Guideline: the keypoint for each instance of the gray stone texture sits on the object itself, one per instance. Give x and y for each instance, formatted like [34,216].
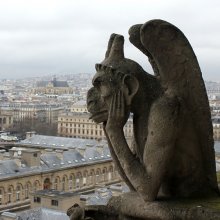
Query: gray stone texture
[172,156]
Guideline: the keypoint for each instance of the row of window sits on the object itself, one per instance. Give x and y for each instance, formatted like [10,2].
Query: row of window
[70,183]
[89,123]
[80,132]
[92,125]
[74,120]
[3,120]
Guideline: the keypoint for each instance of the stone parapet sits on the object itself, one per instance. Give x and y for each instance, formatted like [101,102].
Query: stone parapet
[131,206]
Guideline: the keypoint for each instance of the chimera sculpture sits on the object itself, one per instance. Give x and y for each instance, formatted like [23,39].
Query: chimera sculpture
[173,143]
[172,154]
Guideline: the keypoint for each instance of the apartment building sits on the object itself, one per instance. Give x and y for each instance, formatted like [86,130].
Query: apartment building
[52,163]
[6,121]
[78,124]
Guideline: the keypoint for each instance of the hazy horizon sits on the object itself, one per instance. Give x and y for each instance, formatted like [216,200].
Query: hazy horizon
[39,38]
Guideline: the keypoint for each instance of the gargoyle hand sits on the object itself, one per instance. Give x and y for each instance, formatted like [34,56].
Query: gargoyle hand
[118,113]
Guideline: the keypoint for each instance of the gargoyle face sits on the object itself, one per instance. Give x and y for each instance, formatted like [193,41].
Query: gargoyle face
[96,106]
[99,97]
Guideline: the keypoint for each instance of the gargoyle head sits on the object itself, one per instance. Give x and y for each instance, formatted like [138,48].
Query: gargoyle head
[113,74]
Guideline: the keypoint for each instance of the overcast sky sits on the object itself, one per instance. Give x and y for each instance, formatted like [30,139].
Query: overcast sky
[44,37]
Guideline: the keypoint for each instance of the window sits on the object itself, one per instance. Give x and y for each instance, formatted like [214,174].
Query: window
[26,192]
[77,183]
[63,183]
[18,193]
[9,194]
[0,197]
[56,184]
[37,199]
[54,202]
[35,154]
[70,183]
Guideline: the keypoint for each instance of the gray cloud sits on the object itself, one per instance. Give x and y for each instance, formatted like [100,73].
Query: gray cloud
[61,36]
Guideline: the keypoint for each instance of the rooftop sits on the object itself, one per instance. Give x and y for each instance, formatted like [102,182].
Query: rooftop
[54,83]
[38,214]
[81,103]
[54,193]
[44,141]
[58,153]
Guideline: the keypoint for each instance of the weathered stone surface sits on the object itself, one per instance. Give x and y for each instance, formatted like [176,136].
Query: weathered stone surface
[173,153]
[131,206]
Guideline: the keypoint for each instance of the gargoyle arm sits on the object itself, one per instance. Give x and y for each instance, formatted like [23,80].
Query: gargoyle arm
[133,169]
[146,178]
[117,162]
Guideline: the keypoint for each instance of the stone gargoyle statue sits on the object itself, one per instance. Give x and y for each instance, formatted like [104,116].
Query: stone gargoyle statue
[172,154]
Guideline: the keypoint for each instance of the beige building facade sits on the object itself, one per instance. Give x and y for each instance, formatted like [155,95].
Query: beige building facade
[25,170]
[53,87]
[78,124]
[42,112]
[216,132]
[6,121]
[54,199]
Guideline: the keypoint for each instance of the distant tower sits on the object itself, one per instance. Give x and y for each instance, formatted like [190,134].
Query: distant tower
[54,80]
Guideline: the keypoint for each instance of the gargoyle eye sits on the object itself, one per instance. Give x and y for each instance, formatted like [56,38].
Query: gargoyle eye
[97,81]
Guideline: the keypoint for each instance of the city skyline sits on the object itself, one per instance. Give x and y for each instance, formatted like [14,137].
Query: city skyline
[38,38]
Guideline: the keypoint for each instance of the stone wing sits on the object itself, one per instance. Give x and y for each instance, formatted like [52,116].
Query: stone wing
[177,68]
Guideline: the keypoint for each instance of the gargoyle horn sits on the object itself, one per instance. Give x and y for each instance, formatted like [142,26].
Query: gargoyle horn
[112,37]
[115,50]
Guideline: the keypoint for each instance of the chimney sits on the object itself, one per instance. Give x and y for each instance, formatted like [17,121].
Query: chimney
[81,150]
[6,156]
[9,216]
[100,149]
[59,154]
[29,134]
[31,157]
[18,162]
[2,152]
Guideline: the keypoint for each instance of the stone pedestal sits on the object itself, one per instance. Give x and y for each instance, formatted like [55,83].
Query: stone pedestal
[131,206]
